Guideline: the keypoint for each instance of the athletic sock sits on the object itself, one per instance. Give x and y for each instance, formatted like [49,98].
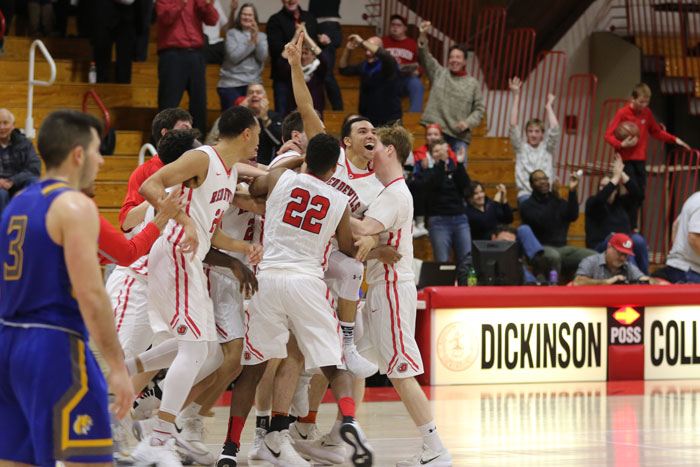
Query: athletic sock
[431,437]
[348,333]
[310,418]
[347,406]
[191,411]
[334,434]
[235,427]
[279,421]
[162,432]
[262,419]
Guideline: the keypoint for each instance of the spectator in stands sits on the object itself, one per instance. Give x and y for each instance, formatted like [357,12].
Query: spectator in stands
[40,14]
[270,122]
[536,152]
[181,65]
[115,22]
[421,157]
[281,27]
[549,217]
[7,8]
[448,226]
[379,96]
[611,266]
[330,36]
[314,66]
[405,51]
[215,36]
[244,57]
[633,149]
[485,215]
[19,164]
[455,102]
[144,14]
[683,262]
[607,212]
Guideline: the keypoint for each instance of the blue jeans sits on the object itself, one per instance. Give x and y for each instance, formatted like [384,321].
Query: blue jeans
[676,275]
[447,233]
[282,90]
[456,144]
[641,252]
[228,96]
[528,241]
[412,87]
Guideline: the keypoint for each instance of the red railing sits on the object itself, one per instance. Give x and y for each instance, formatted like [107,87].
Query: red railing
[92,94]
[488,50]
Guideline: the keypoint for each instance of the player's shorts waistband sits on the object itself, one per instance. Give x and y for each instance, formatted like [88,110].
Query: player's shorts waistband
[41,326]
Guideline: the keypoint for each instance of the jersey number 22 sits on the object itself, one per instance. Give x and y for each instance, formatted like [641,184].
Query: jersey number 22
[315,213]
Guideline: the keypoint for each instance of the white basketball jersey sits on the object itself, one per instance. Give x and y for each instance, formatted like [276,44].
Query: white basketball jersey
[282,157]
[140,266]
[394,209]
[301,216]
[207,203]
[360,186]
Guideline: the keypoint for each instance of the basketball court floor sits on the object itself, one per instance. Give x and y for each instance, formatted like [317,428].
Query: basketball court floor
[555,424]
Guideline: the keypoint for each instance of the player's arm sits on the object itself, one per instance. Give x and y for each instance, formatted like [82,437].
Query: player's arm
[264,184]
[72,221]
[312,123]
[246,278]
[135,216]
[343,234]
[246,202]
[366,226]
[248,170]
[223,242]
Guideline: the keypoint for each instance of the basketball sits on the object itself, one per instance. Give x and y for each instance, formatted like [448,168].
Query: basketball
[626,129]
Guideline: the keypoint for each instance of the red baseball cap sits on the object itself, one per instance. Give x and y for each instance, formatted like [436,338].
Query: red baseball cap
[622,243]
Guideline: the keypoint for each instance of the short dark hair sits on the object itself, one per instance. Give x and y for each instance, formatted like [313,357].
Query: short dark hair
[347,126]
[505,228]
[322,154]
[469,191]
[62,131]
[235,120]
[292,122]
[175,143]
[399,137]
[533,173]
[460,47]
[435,142]
[237,23]
[167,119]
[399,17]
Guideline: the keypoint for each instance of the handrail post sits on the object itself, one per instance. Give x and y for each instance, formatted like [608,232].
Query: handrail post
[142,153]
[29,130]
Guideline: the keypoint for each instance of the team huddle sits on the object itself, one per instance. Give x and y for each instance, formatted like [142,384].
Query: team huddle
[294,235]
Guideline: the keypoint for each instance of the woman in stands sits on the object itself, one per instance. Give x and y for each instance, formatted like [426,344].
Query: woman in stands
[244,57]
[484,213]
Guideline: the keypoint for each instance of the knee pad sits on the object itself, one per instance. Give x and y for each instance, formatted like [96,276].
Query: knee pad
[346,274]
[214,359]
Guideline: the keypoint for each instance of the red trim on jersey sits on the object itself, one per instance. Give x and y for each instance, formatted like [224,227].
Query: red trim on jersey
[126,303]
[247,342]
[189,201]
[394,180]
[221,331]
[353,175]
[206,273]
[177,282]
[119,301]
[228,171]
[188,318]
[325,254]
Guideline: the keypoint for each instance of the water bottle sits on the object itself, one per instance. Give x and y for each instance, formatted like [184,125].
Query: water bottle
[92,73]
[553,277]
[471,277]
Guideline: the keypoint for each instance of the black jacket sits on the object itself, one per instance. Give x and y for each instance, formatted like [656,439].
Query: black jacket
[603,217]
[445,189]
[483,224]
[549,216]
[19,161]
[280,30]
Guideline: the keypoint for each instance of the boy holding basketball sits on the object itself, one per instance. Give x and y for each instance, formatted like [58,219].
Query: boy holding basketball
[633,142]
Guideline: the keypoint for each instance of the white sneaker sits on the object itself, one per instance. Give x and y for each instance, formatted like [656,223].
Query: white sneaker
[229,455]
[142,429]
[300,403]
[147,403]
[161,455]
[120,435]
[322,450]
[304,431]
[352,434]
[419,230]
[258,446]
[190,441]
[428,457]
[277,449]
[358,365]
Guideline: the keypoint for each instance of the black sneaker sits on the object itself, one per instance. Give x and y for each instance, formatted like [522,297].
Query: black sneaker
[229,455]
[352,434]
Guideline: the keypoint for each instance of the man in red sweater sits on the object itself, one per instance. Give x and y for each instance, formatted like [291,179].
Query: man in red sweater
[633,149]
[181,64]
[405,51]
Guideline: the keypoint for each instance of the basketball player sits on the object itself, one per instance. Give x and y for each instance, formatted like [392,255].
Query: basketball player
[53,397]
[302,214]
[177,285]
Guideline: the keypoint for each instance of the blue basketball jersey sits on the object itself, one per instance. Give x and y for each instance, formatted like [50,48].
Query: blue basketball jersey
[34,285]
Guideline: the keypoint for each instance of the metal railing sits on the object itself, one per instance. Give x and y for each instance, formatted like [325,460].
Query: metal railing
[29,129]
[142,152]
[92,94]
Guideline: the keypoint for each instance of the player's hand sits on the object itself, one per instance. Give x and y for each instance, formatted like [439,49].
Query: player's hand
[615,279]
[168,208]
[190,242]
[573,181]
[246,278]
[364,245]
[514,84]
[290,145]
[120,385]
[388,254]
[293,50]
[630,141]
[254,253]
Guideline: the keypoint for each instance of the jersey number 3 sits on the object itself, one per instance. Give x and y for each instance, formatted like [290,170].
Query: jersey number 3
[14,271]
[311,221]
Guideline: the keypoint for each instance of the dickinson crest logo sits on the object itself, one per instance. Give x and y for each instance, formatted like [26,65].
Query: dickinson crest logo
[246,355]
[82,424]
[627,244]
[403,367]
[182,329]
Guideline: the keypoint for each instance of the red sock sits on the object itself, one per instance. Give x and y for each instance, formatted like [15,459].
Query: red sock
[347,406]
[235,427]
[310,418]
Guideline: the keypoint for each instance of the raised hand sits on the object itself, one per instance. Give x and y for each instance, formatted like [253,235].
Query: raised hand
[550,99]
[461,154]
[293,50]
[424,27]
[514,84]
[618,165]
[573,181]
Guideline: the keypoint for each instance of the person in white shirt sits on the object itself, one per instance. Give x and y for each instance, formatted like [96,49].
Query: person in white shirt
[536,152]
[683,262]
